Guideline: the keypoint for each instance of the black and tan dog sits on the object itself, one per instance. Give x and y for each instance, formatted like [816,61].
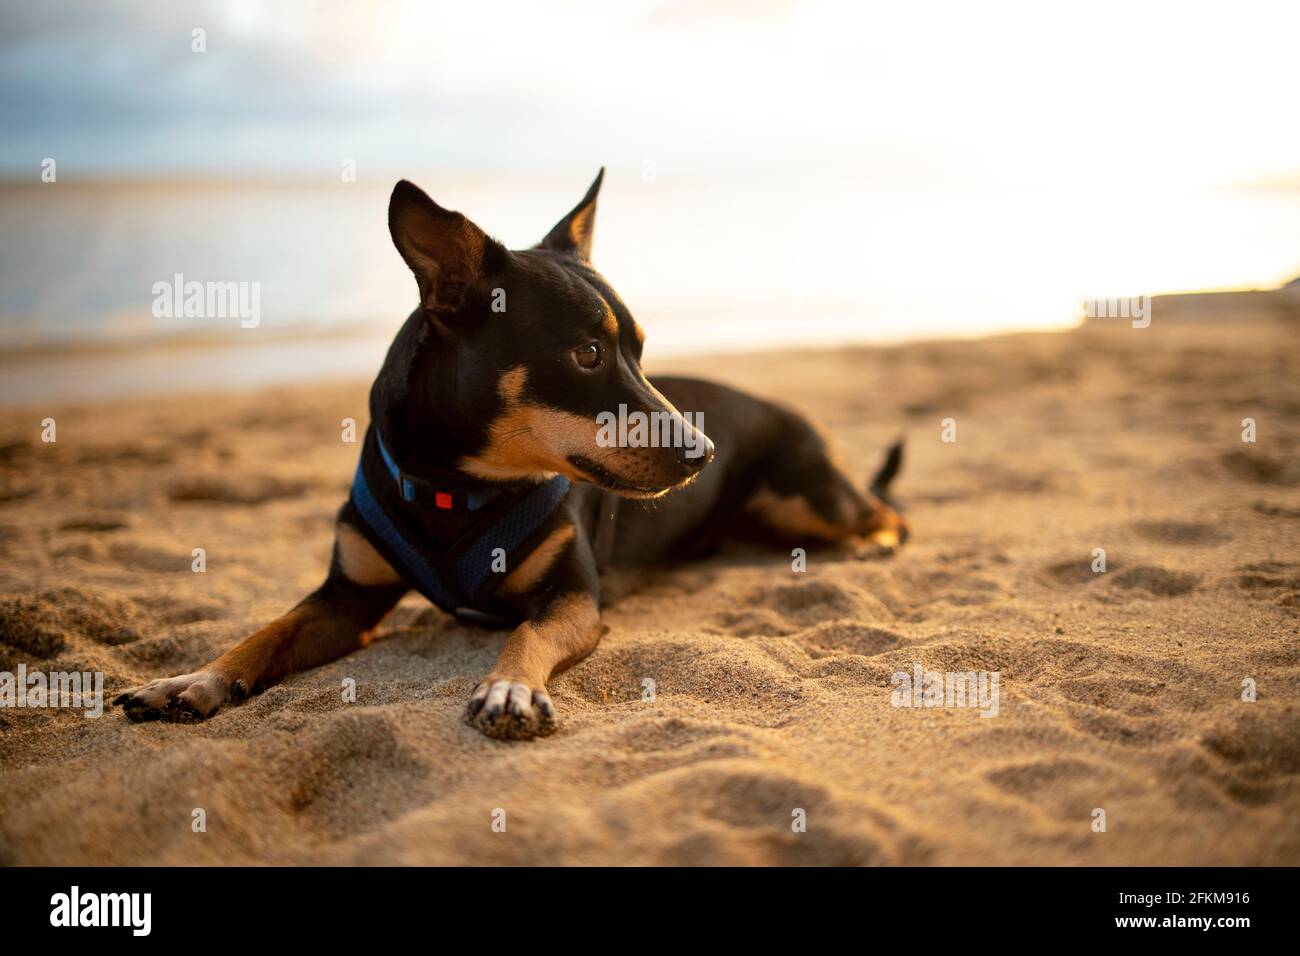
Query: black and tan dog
[485,484]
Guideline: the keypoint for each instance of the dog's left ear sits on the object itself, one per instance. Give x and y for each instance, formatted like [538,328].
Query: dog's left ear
[573,233]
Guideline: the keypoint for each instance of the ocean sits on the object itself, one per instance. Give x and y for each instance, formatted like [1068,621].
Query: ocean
[706,265]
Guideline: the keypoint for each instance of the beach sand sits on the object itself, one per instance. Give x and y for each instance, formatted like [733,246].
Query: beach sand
[1119,691]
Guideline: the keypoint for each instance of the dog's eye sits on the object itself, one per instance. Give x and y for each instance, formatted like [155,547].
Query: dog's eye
[589,356]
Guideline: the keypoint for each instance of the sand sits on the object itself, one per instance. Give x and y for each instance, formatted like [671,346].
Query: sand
[1120,691]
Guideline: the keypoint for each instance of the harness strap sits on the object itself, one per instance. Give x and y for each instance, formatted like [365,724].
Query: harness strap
[473,568]
[461,580]
[425,578]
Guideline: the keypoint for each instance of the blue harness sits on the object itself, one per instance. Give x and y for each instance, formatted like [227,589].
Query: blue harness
[461,580]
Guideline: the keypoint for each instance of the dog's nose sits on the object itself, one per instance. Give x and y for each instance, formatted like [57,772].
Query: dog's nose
[695,456]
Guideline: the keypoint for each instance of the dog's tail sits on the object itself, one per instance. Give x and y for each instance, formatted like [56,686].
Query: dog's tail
[888,472]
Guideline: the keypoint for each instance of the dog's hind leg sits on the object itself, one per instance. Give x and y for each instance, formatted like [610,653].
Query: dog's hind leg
[334,620]
[804,496]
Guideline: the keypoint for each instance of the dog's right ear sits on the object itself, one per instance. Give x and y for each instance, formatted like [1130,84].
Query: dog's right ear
[446,251]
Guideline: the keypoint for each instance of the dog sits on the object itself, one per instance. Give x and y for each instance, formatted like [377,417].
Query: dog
[484,482]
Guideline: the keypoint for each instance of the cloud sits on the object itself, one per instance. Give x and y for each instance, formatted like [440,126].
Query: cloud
[950,93]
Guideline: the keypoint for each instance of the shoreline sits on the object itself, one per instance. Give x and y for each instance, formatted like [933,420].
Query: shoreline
[211,360]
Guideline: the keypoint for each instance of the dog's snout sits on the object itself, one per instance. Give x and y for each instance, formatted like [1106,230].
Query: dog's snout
[697,454]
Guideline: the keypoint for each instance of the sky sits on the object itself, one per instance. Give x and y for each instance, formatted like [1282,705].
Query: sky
[1130,94]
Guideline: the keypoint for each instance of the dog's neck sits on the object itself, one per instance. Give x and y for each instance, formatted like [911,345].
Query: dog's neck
[411,416]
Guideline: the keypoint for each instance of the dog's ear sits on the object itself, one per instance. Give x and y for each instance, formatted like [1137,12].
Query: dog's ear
[572,234]
[446,251]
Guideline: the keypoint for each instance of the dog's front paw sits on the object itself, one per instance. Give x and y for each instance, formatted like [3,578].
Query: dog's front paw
[186,698]
[509,709]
